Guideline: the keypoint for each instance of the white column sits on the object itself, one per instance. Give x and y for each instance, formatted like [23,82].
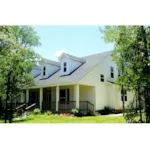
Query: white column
[22,97]
[57,98]
[41,98]
[27,95]
[77,95]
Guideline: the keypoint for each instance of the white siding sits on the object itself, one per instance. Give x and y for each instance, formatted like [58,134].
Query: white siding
[106,94]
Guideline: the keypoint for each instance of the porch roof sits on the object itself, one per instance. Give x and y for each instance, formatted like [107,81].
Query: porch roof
[90,62]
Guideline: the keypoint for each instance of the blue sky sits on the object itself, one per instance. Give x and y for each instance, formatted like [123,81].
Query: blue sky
[75,40]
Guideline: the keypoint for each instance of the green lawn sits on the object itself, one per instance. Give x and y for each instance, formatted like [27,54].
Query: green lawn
[59,119]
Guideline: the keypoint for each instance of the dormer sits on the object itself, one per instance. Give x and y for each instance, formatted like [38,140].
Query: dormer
[48,68]
[69,63]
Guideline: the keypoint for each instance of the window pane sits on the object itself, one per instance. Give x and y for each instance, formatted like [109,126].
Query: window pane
[65,69]
[65,64]
[111,68]
[102,78]
[62,93]
[112,75]
[44,68]
[44,73]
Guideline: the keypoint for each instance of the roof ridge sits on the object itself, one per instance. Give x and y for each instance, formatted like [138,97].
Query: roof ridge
[96,54]
[72,56]
[52,61]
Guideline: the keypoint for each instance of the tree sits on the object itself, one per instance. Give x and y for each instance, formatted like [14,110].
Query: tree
[131,54]
[17,59]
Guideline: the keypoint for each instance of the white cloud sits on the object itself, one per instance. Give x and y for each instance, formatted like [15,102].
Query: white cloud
[59,52]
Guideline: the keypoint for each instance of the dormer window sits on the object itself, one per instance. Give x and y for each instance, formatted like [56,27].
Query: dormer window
[112,72]
[44,71]
[65,66]
[102,77]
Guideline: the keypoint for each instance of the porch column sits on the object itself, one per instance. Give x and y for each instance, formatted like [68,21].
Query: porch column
[22,97]
[57,98]
[27,95]
[77,95]
[41,98]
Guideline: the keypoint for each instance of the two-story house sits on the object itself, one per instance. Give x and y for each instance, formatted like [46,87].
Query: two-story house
[76,82]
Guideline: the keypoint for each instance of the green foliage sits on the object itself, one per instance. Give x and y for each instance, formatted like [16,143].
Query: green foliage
[36,111]
[85,113]
[48,113]
[80,113]
[131,54]
[15,115]
[107,110]
[75,111]
[17,59]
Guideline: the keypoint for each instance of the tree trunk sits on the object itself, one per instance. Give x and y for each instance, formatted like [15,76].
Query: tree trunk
[10,113]
[140,107]
[6,107]
[146,73]
[7,98]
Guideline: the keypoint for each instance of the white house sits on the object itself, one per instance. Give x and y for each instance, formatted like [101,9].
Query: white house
[76,82]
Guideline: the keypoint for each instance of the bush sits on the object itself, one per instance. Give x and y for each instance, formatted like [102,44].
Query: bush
[48,113]
[105,111]
[75,111]
[80,113]
[85,113]
[15,115]
[36,111]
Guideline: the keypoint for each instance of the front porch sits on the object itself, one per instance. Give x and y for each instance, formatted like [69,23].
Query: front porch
[61,98]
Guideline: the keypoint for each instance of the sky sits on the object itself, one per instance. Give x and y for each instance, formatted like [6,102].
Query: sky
[75,40]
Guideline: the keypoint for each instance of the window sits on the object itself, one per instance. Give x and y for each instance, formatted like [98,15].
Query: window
[112,72]
[65,66]
[123,95]
[102,77]
[64,96]
[44,71]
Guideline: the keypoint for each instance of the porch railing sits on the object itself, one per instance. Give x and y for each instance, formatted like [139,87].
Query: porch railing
[67,106]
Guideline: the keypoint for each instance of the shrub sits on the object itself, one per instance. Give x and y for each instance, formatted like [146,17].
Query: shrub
[15,115]
[36,111]
[75,111]
[80,113]
[48,113]
[85,113]
[105,111]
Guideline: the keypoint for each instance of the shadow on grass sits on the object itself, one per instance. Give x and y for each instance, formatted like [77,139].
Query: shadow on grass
[22,120]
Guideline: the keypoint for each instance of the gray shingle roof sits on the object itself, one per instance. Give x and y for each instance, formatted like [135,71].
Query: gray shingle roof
[91,62]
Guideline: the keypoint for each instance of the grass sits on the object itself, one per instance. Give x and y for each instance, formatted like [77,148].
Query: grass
[59,119]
